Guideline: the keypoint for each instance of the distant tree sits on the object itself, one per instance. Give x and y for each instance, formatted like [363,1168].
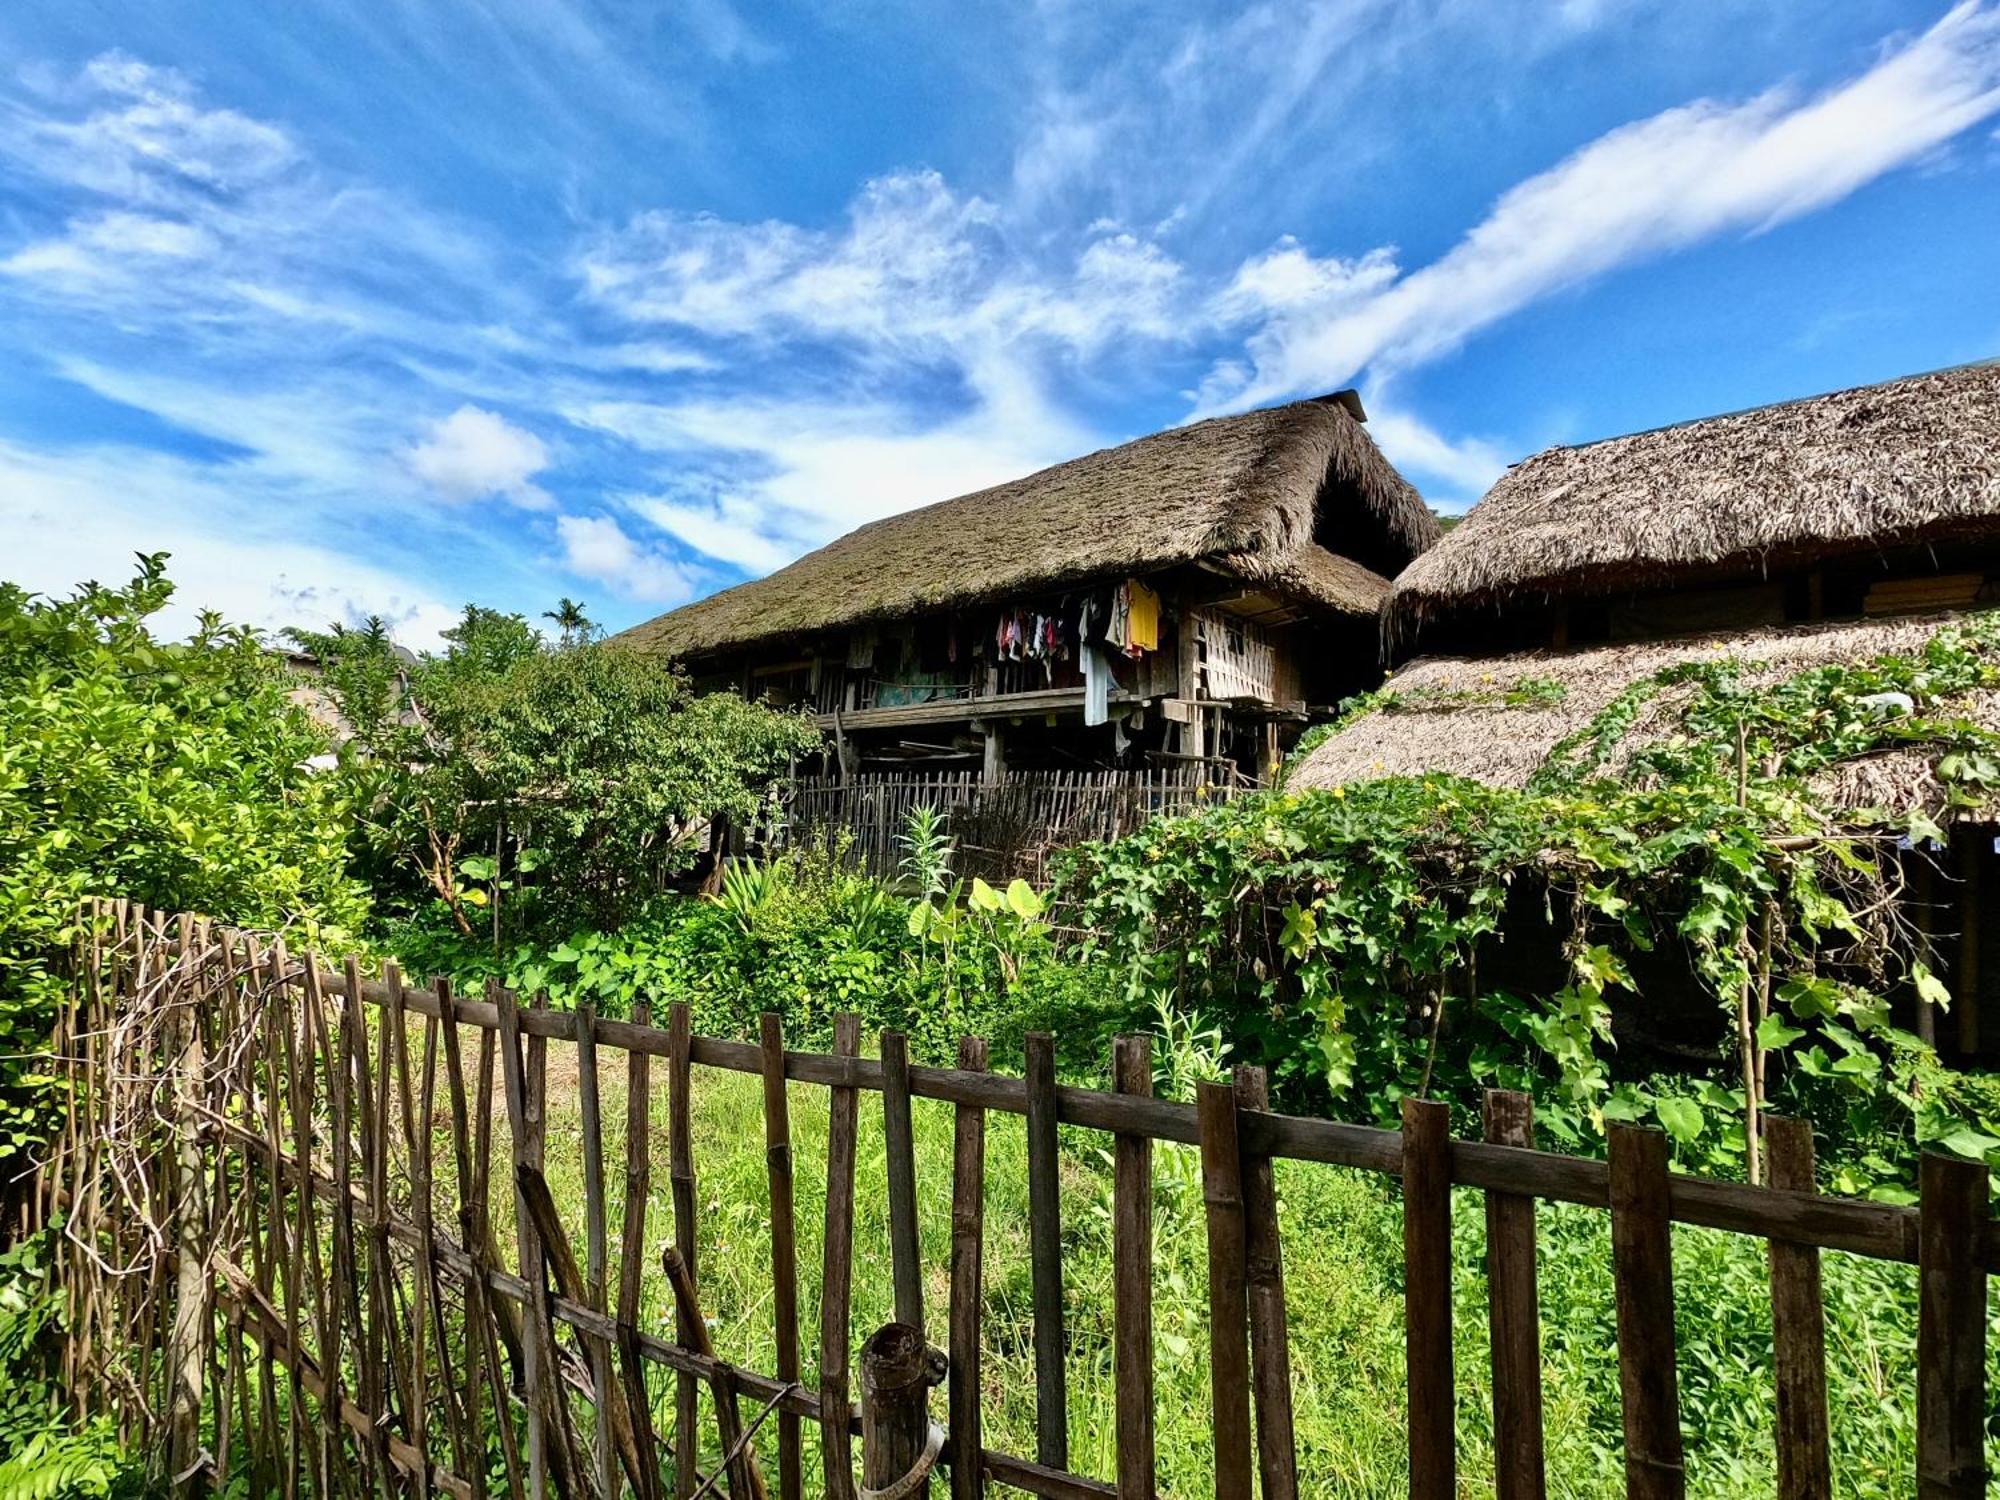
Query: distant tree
[586,769]
[576,627]
[561,782]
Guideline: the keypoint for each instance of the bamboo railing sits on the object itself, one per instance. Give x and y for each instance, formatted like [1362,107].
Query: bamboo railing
[264,1269]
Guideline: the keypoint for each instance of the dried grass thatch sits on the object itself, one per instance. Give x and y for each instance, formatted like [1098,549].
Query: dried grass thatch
[1455,715]
[1911,460]
[1244,493]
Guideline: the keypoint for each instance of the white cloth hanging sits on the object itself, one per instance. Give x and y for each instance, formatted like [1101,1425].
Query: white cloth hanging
[1096,685]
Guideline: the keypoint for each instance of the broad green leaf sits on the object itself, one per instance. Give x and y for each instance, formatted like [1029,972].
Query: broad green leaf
[1680,1118]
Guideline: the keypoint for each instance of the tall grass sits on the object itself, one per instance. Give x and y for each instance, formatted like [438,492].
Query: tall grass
[1343,1257]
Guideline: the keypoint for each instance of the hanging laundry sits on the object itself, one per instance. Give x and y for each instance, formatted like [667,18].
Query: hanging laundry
[1142,625]
[1097,685]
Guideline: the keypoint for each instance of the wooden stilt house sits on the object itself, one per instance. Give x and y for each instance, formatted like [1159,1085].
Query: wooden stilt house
[1185,600]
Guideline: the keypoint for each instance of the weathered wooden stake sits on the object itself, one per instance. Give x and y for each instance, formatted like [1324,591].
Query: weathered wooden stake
[1427,1298]
[1798,1327]
[1228,1326]
[1951,1329]
[1514,1314]
[897,1439]
[1643,1273]
[1132,1278]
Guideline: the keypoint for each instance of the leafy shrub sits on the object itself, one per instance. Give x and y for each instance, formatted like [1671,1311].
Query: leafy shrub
[564,785]
[1350,937]
[170,772]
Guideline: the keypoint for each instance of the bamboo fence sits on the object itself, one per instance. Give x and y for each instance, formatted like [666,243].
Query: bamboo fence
[267,1273]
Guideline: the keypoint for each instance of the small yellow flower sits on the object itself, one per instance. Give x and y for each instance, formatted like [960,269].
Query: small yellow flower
[1340,791]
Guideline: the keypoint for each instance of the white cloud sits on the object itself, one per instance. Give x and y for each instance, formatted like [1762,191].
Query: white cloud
[152,142]
[822,468]
[474,454]
[1467,466]
[110,244]
[598,548]
[734,530]
[916,270]
[77,516]
[1655,186]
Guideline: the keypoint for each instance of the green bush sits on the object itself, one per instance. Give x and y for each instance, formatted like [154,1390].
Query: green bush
[807,938]
[169,772]
[1348,935]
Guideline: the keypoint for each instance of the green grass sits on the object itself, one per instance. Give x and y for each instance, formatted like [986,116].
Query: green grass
[1343,1258]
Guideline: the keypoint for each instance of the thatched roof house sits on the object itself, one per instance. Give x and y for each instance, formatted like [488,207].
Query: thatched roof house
[1496,720]
[1294,499]
[1907,464]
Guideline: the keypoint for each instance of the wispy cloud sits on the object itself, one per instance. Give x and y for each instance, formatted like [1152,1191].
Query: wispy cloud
[1641,191]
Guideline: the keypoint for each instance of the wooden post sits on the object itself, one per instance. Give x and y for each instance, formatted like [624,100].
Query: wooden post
[993,765]
[1132,1278]
[1514,1314]
[194,1289]
[906,1271]
[784,1245]
[897,1373]
[1427,1298]
[1951,1329]
[1045,1254]
[680,1171]
[837,1273]
[968,1226]
[1228,1331]
[596,1248]
[632,1256]
[1270,1339]
[1798,1327]
[1642,1268]
[1970,908]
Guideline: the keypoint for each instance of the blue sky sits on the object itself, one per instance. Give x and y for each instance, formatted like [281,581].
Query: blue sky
[383,305]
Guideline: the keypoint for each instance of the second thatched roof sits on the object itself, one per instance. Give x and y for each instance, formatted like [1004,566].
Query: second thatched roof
[1907,461]
[1255,495]
[1496,720]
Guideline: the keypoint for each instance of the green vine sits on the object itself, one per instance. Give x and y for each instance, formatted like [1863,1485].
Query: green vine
[1373,938]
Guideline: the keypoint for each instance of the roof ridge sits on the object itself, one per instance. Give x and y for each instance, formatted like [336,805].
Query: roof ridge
[1990,362]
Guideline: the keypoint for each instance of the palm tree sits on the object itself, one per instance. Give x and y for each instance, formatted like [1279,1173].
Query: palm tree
[575,625]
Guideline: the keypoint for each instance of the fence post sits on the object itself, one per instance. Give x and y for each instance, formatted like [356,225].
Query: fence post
[1045,1253]
[1264,1272]
[1427,1298]
[193,1290]
[1951,1329]
[1132,1278]
[1798,1326]
[1643,1272]
[1514,1313]
[898,1444]
[1228,1328]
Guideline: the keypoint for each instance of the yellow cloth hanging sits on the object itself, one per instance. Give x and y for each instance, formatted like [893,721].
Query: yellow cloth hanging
[1142,628]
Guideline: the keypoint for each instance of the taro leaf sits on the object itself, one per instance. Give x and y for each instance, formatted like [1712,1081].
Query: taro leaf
[1682,1118]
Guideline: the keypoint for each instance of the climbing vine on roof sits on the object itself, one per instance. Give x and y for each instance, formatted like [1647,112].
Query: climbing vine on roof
[1673,922]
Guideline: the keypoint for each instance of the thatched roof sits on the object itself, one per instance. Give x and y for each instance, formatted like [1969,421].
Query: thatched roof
[1911,460]
[1243,493]
[1495,720]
